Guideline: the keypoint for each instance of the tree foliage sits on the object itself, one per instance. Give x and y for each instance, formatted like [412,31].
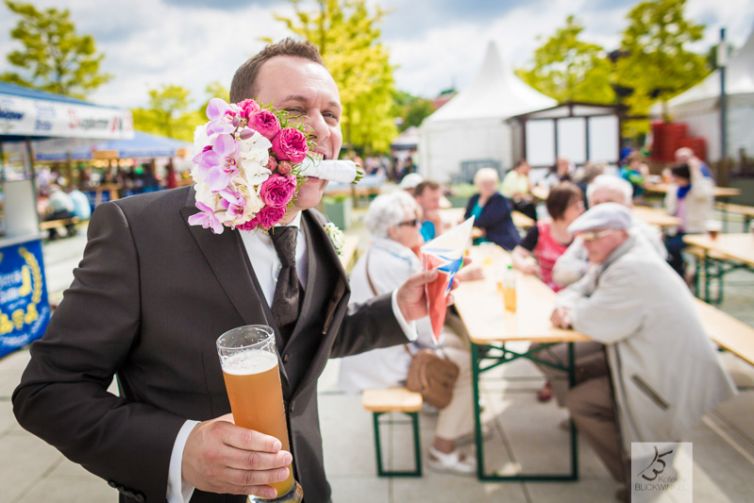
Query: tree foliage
[347,35]
[659,63]
[170,113]
[411,110]
[54,57]
[570,69]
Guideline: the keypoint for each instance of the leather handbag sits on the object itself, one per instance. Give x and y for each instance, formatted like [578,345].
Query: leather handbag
[430,374]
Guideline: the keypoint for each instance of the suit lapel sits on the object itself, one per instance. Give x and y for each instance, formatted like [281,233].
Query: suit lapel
[227,257]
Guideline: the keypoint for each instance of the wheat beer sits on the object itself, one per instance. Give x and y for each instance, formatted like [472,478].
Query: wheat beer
[252,380]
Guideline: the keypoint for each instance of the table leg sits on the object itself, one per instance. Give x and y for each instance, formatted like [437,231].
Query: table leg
[478,435]
[574,433]
[706,277]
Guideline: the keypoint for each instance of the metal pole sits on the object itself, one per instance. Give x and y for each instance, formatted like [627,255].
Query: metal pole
[722,57]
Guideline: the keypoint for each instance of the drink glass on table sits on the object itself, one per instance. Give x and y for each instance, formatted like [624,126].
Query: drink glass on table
[509,288]
[252,379]
[713,229]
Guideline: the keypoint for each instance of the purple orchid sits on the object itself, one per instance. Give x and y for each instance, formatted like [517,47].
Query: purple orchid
[221,117]
[206,218]
[219,164]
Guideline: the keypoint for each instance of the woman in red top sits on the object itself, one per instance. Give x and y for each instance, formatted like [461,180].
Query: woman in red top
[549,239]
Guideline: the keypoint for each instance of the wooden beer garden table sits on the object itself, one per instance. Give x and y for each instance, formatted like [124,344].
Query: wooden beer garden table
[728,251]
[720,192]
[655,216]
[490,327]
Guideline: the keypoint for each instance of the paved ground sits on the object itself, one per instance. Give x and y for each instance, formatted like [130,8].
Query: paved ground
[525,434]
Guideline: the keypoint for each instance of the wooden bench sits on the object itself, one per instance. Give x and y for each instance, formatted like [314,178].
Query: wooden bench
[394,400]
[727,332]
[747,212]
[61,223]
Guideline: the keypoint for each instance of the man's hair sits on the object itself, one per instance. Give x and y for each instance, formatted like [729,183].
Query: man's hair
[425,185]
[681,171]
[611,183]
[244,80]
[561,197]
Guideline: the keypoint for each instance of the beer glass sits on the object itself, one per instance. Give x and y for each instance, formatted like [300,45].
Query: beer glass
[252,380]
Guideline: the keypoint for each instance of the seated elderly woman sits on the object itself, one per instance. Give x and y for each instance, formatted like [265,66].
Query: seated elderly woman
[393,220]
[573,264]
[549,239]
[491,212]
[653,372]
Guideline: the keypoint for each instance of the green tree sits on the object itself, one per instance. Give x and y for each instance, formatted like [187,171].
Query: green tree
[570,69]
[658,64]
[170,113]
[411,110]
[348,38]
[54,57]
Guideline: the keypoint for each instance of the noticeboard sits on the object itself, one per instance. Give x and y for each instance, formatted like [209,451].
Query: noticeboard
[24,309]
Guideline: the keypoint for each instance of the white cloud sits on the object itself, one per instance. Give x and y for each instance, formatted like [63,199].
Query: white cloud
[148,43]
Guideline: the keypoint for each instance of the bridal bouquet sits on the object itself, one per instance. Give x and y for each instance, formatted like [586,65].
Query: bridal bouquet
[249,163]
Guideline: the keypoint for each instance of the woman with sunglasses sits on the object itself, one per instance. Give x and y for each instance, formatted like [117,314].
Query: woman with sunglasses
[394,220]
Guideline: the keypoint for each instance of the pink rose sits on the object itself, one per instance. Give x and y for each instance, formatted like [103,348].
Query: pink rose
[272,164]
[284,167]
[277,190]
[290,145]
[248,108]
[265,123]
[266,218]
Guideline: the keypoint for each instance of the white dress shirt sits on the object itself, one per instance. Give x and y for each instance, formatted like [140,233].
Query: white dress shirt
[266,264]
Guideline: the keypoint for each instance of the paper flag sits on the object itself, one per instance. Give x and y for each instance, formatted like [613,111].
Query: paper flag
[444,253]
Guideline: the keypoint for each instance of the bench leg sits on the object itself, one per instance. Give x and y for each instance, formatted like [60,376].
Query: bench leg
[381,472]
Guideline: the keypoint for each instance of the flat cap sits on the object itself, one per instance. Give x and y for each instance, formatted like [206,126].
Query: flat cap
[603,216]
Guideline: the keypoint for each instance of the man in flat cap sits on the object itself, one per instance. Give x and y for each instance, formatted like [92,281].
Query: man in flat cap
[659,373]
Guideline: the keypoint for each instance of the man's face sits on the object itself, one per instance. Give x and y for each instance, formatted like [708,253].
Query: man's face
[429,200]
[601,243]
[307,91]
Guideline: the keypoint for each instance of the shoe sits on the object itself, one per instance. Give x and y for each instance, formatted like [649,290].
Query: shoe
[453,462]
[469,437]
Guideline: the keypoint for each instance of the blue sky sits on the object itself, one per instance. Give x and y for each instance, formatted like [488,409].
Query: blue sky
[434,44]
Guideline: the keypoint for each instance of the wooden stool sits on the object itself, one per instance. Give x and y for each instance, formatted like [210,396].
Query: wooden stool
[384,401]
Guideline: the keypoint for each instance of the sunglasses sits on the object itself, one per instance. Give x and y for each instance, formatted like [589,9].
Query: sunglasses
[591,236]
[409,223]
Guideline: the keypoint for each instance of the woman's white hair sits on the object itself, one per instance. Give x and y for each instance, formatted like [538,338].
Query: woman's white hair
[388,210]
[618,186]
[484,174]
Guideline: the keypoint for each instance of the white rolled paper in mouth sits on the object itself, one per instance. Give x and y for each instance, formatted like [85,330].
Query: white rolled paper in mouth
[342,171]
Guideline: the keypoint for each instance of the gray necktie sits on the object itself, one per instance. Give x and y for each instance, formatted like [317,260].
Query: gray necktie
[285,302]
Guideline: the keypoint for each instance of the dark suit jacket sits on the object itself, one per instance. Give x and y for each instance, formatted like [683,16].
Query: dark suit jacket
[496,220]
[148,301]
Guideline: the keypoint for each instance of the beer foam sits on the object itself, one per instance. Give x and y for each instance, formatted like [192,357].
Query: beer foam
[252,361]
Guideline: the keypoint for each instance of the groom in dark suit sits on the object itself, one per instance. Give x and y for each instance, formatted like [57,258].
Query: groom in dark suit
[151,296]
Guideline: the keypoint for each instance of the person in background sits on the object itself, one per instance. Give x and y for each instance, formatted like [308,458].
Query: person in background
[171,176]
[491,212]
[691,198]
[590,172]
[517,188]
[549,239]
[635,172]
[428,195]
[59,206]
[684,155]
[573,264]
[409,183]
[393,222]
[81,207]
[653,372]
[559,172]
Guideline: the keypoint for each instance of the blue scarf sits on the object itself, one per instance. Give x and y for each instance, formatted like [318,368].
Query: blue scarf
[682,191]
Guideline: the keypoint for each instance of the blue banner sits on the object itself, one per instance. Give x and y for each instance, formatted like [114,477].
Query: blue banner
[24,310]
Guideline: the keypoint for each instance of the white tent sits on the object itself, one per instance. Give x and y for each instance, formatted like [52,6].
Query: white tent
[699,107]
[471,126]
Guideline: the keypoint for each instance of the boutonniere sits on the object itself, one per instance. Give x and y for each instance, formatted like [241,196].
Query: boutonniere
[337,238]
